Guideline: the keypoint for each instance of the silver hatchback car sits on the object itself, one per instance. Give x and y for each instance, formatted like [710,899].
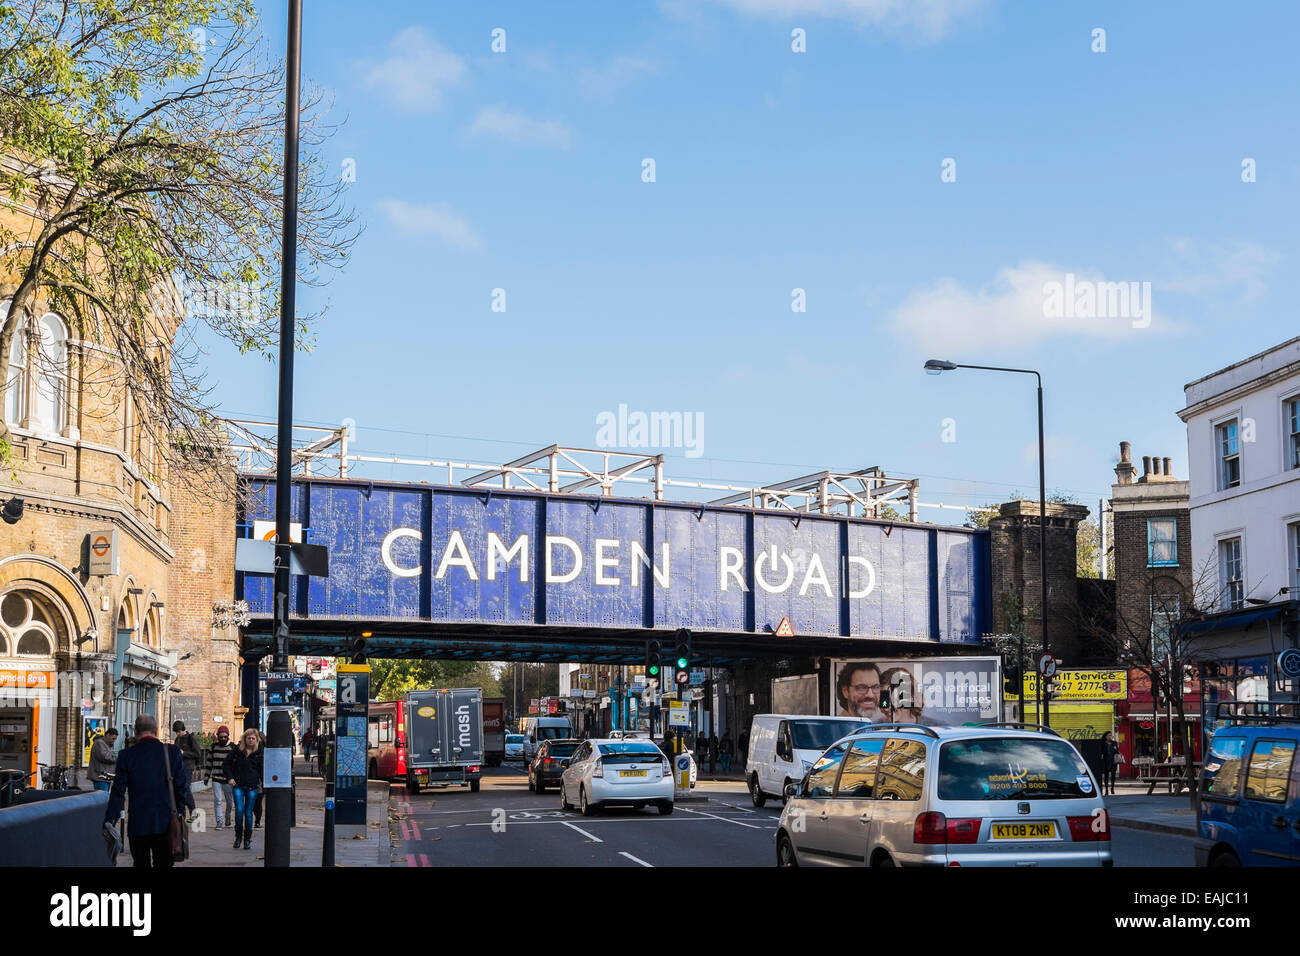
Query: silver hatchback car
[912,795]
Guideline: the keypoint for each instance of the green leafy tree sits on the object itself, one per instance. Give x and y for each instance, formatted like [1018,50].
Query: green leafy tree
[390,679]
[147,138]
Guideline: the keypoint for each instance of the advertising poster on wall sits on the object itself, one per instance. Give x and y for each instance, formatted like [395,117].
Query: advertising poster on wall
[938,691]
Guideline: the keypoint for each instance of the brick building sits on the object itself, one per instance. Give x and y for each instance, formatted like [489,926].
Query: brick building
[105,585]
[1015,566]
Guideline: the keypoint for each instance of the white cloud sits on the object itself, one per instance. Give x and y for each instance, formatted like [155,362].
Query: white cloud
[518,128]
[621,70]
[429,219]
[930,19]
[1012,311]
[416,71]
[1241,267]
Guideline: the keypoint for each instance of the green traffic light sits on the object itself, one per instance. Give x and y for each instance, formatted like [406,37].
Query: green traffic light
[654,670]
[681,663]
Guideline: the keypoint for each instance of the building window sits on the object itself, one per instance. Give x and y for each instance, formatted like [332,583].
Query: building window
[1231,580]
[48,363]
[1229,455]
[25,626]
[1165,611]
[1291,416]
[1162,542]
[1293,549]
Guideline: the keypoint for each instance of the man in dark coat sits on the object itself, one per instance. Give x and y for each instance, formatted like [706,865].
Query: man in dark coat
[142,780]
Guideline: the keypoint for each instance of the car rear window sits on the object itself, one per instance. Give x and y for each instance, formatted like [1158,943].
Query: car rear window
[1012,768]
[562,750]
[552,733]
[629,753]
[514,738]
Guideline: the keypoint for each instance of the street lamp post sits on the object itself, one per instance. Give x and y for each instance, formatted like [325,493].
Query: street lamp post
[938,366]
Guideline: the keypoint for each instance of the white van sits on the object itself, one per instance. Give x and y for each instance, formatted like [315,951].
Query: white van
[537,729]
[782,747]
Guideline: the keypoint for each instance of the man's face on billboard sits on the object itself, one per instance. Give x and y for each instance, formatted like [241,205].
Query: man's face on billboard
[863,693]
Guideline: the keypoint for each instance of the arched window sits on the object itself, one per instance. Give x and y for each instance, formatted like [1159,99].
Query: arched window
[51,374]
[26,626]
[48,362]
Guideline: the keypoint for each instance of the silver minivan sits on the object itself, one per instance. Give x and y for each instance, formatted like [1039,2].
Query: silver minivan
[912,795]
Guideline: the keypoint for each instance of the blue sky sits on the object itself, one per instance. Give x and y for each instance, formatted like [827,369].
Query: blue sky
[778,170]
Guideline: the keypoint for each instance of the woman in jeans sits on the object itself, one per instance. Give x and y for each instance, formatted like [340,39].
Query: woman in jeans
[243,770]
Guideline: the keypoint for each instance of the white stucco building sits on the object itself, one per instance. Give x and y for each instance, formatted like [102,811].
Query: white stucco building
[1243,450]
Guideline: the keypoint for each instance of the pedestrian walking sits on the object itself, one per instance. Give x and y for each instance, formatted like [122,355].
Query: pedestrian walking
[103,761]
[713,751]
[1109,763]
[243,771]
[189,748]
[223,794]
[307,740]
[744,749]
[257,803]
[141,782]
[725,748]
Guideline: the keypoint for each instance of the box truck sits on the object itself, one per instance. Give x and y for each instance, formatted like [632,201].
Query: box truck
[494,730]
[444,738]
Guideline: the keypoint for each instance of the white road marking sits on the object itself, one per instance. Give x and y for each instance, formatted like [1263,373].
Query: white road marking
[591,837]
[634,859]
[714,816]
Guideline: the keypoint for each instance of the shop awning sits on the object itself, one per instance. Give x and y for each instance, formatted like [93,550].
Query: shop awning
[1233,620]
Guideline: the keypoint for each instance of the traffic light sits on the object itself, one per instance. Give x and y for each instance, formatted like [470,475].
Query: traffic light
[682,655]
[653,663]
[358,651]
[1011,678]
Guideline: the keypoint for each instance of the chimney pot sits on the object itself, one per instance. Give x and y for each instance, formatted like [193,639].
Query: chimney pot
[1155,465]
[1168,473]
[1125,450]
[1146,465]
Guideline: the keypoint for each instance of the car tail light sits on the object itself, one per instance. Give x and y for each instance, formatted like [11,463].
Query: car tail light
[600,770]
[930,828]
[548,761]
[965,830]
[936,829]
[473,769]
[1090,829]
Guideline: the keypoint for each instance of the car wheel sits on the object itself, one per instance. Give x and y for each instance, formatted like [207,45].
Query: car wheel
[587,809]
[564,798]
[1225,858]
[883,860]
[756,792]
[539,787]
[530,784]
[666,808]
[474,785]
[412,786]
[785,852]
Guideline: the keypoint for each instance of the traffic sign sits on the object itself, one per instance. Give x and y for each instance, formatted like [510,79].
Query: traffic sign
[679,715]
[785,629]
[1047,665]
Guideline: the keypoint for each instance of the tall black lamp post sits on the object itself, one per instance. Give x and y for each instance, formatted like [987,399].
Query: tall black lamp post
[939,366]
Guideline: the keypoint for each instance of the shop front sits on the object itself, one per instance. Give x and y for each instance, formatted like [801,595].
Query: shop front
[141,676]
[1151,730]
[1083,707]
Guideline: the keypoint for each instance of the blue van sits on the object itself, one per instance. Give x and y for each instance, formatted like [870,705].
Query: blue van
[1250,787]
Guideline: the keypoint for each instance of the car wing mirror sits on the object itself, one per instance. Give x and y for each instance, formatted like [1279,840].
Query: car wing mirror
[791,790]
[564,763]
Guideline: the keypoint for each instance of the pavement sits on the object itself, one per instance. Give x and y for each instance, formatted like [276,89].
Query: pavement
[1160,812]
[353,845]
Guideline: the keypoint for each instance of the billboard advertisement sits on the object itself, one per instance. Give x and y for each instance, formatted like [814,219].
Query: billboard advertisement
[939,691]
[459,556]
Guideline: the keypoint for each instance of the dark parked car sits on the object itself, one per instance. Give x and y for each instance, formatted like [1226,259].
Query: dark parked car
[545,769]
